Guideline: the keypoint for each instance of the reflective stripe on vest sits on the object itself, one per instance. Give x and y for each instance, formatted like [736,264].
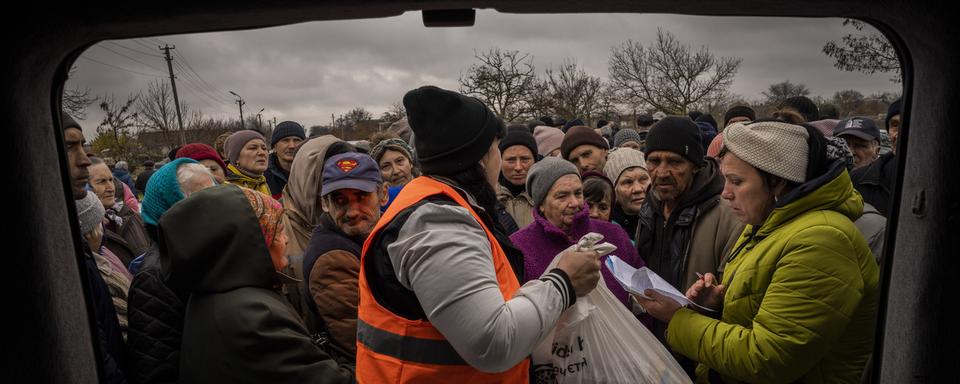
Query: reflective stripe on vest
[407,348]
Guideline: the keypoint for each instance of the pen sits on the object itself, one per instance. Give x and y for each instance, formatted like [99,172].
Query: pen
[699,275]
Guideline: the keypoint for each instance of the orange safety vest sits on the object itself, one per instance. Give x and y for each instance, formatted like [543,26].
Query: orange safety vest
[394,349]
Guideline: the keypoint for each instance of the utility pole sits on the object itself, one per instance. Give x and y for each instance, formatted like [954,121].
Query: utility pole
[240,104]
[260,120]
[173,84]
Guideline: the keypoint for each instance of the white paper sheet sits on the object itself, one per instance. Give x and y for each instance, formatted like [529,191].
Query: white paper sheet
[636,281]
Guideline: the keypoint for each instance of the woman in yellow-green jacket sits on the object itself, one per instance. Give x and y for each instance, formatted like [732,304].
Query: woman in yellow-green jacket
[798,297]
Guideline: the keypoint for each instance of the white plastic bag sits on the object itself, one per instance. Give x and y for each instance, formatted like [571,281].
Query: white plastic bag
[598,340]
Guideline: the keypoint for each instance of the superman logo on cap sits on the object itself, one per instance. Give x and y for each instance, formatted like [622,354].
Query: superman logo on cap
[347,165]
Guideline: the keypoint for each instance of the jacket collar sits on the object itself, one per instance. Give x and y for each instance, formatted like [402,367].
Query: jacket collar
[274,167]
[504,193]
[831,191]
[236,174]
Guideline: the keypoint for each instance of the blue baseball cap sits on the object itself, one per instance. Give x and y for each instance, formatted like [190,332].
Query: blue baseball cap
[861,127]
[352,170]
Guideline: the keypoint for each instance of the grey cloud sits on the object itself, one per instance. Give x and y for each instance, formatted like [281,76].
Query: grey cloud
[306,72]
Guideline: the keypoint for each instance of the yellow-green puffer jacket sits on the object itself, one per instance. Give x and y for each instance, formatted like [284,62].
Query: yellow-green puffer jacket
[801,295]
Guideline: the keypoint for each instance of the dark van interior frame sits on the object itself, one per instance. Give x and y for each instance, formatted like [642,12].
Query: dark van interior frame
[49,334]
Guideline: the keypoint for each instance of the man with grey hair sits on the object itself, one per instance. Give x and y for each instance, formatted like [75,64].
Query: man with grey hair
[121,171]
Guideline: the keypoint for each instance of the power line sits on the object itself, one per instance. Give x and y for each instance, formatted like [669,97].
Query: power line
[211,87]
[130,58]
[200,85]
[135,50]
[189,87]
[120,68]
[142,44]
[199,91]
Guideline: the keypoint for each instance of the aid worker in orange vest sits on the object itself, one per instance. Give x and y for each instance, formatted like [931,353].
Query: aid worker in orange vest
[440,299]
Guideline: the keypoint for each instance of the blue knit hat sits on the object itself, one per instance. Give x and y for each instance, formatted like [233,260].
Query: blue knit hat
[287,129]
[163,191]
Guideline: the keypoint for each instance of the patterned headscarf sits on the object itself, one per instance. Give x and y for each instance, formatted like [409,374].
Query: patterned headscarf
[837,149]
[269,212]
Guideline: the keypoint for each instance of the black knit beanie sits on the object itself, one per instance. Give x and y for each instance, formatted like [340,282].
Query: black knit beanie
[707,118]
[676,134]
[519,137]
[804,106]
[453,131]
[738,111]
[287,129]
[892,110]
[571,124]
[68,122]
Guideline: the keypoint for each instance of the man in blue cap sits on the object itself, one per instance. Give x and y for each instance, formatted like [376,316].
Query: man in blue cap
[351,195]
[875,181]
[862,137]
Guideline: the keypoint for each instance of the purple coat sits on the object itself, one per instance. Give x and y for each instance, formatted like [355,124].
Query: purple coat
[541,241]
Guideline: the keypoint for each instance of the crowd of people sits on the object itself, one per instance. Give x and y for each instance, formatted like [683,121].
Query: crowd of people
[427,253]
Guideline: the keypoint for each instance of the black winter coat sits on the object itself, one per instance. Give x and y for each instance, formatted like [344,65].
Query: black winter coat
[237,327]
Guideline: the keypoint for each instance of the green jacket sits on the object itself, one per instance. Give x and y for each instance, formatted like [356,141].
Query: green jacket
[237,328]
[801,296]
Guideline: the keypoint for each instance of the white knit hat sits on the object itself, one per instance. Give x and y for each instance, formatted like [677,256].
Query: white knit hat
[90,212]
[622,159]
[775,147]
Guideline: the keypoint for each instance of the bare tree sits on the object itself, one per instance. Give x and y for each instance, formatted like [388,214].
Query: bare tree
[870,53]
[573,93]
[118,120]
[76,100]
[396,112]
[668,75]
[847,101]
[609,104]
[156,111]
[777,93]
[503,80]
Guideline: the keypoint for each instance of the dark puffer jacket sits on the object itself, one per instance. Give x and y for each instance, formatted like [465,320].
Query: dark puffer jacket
[155,316]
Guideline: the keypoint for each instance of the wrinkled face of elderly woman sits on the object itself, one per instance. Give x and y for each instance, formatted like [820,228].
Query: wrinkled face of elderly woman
[750,198]
[253,157]
[563,201]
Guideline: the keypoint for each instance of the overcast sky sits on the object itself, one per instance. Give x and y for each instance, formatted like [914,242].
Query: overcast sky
[306,72]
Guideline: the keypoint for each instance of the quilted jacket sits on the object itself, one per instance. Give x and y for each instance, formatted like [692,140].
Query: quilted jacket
[801,296]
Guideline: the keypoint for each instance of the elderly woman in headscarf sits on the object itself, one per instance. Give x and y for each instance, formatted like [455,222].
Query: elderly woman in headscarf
[224,250]
[247,152]
[207,156]
[155,312]
[798,295]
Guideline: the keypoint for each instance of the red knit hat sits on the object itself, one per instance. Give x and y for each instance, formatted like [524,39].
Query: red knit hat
[200,151]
